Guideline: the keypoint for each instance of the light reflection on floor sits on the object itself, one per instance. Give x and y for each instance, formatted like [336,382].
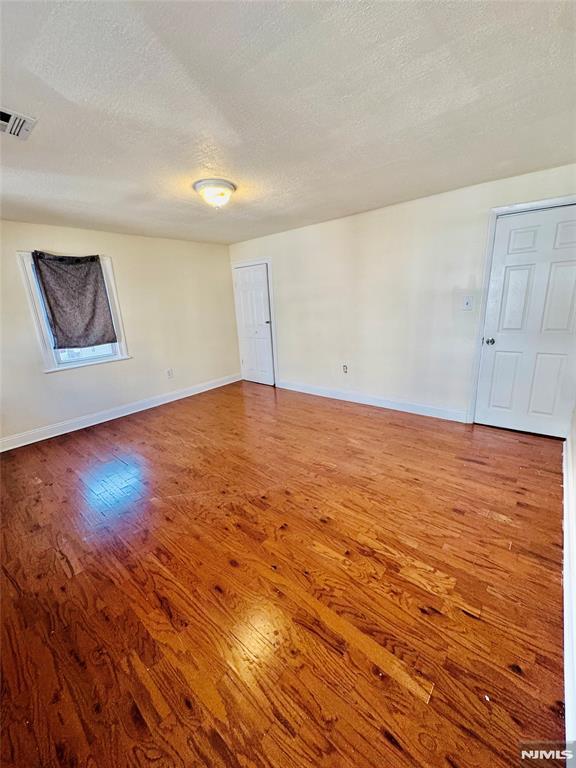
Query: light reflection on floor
[111,488]
[259,634]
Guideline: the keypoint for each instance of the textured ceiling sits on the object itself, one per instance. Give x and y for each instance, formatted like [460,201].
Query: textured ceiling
[315,109]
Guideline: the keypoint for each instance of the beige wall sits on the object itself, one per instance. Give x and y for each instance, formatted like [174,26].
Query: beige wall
[177,306]
[381,292]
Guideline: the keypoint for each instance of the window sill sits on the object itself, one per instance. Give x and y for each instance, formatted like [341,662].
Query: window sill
[84,363]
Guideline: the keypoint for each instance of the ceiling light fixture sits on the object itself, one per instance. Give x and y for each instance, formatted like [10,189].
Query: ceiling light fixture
[215,192]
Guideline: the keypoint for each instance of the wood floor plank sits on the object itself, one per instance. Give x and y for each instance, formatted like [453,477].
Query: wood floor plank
[254,577]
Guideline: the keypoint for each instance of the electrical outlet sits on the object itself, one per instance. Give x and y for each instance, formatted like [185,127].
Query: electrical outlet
[345,368]
[170,373]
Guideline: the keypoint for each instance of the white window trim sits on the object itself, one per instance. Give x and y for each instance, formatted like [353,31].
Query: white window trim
[50,361]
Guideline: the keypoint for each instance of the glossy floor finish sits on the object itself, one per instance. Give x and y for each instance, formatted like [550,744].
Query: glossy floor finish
[255,577]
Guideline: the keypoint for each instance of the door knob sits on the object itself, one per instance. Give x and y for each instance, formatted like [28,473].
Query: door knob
[490,341]
[267,322]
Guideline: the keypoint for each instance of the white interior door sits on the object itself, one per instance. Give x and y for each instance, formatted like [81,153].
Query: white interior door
[253,321]
[528,367]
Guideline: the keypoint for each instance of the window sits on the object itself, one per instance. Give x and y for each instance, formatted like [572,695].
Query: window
[60,359]
[86,353]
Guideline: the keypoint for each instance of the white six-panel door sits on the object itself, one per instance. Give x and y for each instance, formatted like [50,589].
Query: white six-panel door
[528,367]
[253,322]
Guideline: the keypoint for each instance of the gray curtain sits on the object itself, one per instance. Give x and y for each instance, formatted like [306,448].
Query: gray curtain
[74,294]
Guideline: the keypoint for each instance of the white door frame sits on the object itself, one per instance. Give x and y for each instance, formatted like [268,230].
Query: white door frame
[268,263]
[495,213]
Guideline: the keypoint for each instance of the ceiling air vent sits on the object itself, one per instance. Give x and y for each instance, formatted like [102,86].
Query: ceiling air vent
[15,124]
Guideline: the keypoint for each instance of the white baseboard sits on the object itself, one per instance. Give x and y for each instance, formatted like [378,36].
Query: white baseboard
[43,433]
[570,586]
[379,402]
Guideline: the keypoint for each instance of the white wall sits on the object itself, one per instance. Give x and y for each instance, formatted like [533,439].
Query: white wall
[570,584]
[381,292]
[177,305]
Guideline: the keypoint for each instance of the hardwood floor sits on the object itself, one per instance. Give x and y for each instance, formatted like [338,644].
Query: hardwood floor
[255,577]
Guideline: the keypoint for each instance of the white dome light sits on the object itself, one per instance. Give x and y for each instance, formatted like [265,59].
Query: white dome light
[215,192]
